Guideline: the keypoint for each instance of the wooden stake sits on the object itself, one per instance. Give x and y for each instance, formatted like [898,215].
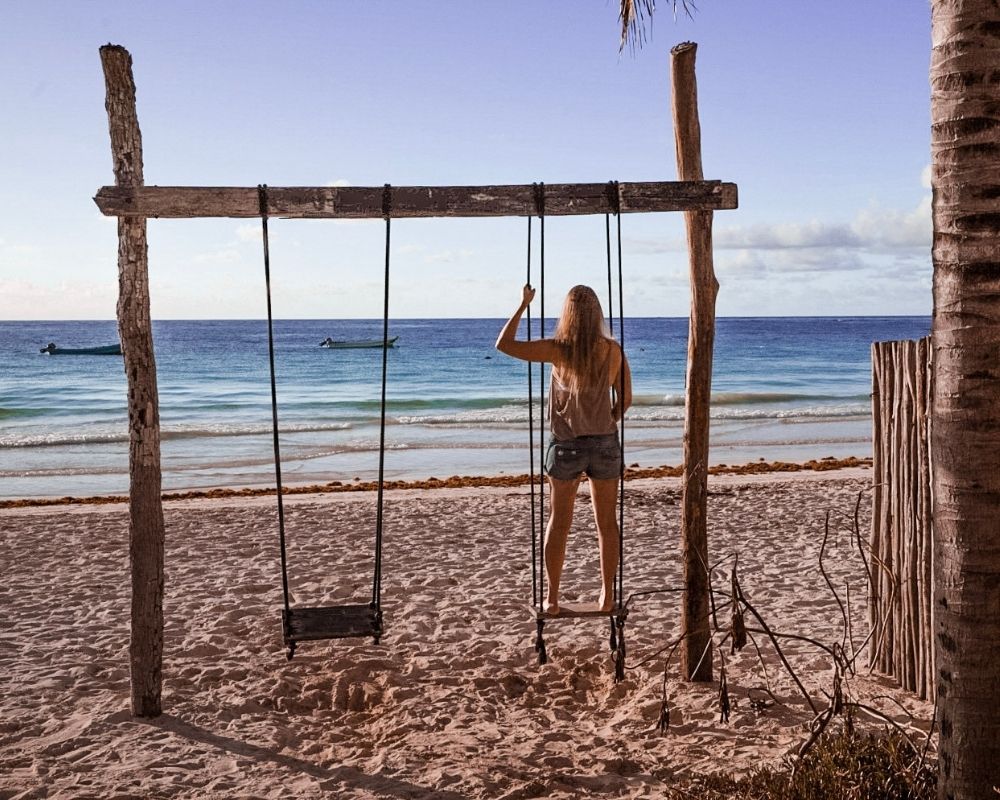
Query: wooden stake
[696,650]
[874,538]
[135,330]
[925,588]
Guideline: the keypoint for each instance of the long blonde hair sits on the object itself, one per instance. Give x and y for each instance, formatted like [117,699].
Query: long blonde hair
[578,334]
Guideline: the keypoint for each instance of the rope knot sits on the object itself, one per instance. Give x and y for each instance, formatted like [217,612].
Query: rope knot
[614,197]
[664,719]
[539,192]
[262,199]
[387,201]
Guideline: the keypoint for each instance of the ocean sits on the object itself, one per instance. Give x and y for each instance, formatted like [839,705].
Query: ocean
[783,389]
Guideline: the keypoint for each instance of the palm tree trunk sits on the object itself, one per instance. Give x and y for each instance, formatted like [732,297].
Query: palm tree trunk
[965,143]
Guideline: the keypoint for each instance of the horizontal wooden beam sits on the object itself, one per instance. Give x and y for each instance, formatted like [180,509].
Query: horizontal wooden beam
[366,202]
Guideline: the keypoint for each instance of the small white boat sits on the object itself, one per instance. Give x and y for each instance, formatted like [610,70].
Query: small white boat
[356,344]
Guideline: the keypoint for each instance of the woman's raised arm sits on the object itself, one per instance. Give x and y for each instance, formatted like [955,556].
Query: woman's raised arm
[537,350]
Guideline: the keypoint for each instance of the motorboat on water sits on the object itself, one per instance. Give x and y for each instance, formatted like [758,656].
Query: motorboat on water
[355,344]
[105,350]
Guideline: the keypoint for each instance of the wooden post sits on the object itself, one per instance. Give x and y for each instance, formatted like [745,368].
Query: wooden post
[927,519]
[880,587]
[696,650]
[135,330]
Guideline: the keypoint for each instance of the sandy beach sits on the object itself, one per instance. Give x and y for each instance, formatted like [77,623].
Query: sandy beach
[452,702]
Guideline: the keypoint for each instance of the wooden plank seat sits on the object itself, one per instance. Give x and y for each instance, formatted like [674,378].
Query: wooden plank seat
[616,640]
[331,622]
[573,611]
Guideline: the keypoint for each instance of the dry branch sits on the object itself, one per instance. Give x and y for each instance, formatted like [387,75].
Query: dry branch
[838,703]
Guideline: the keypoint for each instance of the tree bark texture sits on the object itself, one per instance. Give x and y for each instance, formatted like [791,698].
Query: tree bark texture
[134,326]
[696,649]
[901,540]
[965,147]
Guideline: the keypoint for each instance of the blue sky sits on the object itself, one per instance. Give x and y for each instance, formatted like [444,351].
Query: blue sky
[819,111]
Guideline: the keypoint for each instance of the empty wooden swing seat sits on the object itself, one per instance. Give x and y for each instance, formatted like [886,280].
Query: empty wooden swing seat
[330,622]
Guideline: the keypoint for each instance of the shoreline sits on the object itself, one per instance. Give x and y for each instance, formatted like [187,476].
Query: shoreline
[827,464]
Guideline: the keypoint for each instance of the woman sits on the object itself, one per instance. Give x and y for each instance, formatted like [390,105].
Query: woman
[590,390]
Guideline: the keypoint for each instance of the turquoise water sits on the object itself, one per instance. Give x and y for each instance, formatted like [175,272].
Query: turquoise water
[784,388]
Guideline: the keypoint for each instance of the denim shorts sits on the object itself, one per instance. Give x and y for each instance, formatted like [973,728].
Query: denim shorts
[599,457]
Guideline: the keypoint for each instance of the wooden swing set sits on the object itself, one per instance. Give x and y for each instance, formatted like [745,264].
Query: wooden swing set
[133,203]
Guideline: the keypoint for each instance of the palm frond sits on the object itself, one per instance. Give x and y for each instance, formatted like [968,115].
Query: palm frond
[635,15]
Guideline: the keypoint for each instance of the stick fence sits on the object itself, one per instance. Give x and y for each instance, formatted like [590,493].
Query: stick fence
[900,590]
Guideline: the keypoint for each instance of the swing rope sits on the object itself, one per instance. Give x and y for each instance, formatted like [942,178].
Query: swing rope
[616,205]
[377,581]
[614,200]
[531,444]
[540,208]
[262,201]
[607,239]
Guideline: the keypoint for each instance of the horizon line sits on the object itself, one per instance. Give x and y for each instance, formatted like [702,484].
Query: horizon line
[414,319]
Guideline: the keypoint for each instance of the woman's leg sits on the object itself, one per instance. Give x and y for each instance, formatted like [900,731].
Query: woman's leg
[604,496]
[563,496]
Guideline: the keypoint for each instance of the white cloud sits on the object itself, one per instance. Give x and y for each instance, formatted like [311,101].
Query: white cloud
[874,229]
[20,258]
[755,264]
[925,177]
[20,249]
[225,256]
[249,233]
[216,297]
[756,251]
[22,299]
[788,235]
[741,264]
[888,229]
[448,256]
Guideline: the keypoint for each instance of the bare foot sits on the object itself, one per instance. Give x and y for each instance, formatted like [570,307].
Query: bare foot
[550,608]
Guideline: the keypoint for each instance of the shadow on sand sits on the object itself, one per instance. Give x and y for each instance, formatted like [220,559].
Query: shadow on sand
[336,778]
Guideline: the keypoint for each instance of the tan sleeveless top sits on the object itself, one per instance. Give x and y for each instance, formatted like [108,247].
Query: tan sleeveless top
[583,413]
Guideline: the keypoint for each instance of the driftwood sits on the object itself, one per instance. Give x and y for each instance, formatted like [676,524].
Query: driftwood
[366,202]
[900,596]
[134,326]
[696,655]
[843,654]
